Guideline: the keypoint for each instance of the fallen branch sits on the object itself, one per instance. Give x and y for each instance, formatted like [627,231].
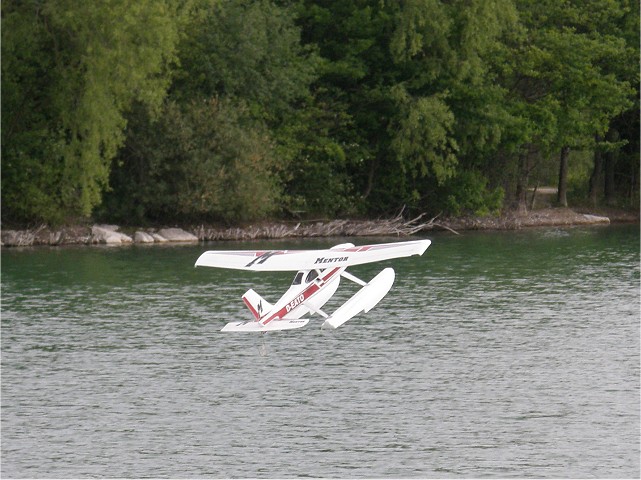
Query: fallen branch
[396,226]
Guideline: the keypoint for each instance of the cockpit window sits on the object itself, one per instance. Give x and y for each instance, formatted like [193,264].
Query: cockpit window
[298,278]
[311,276]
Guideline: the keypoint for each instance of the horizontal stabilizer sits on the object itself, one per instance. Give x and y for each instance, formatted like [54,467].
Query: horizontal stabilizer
[274,325]
[363,300]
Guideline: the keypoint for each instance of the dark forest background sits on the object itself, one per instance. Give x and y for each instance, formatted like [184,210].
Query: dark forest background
[229,111]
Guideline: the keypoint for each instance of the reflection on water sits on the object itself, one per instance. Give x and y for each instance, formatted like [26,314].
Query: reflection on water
[495,354]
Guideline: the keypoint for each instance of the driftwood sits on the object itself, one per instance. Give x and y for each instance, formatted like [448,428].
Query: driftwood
[396,226]
[43,235]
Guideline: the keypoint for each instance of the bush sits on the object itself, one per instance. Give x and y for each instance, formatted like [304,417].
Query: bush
[202,162]
[468,192]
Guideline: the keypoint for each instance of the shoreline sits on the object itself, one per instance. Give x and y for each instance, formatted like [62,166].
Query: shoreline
[115,235]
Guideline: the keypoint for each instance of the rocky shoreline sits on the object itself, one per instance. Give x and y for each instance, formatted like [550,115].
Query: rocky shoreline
[93,235]
[115,235]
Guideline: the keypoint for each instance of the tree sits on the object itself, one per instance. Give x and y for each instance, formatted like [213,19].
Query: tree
[353,86]
[445,54]
[248,49]
[232,125]
[199,161]
[70,72]
[405,75]
[565,65]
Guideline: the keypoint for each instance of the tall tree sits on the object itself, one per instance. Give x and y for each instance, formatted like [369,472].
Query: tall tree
[406,74]
[70,71]
[565,67]
[354,84]
[234,117]
[448,89]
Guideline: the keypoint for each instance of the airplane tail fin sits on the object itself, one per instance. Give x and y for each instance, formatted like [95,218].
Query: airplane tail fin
[256,304]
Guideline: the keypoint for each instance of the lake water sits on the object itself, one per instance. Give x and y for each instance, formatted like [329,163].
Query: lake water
[512,354]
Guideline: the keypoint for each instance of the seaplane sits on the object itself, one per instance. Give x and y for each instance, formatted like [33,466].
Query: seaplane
[318,274]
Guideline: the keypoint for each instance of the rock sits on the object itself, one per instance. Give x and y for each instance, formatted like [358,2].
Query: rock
[111,228]
[108,235]
[125,238]
[177,235]
[75,235]
[159,238]
[51,238]
[143,237]
[17,238]
[596,218]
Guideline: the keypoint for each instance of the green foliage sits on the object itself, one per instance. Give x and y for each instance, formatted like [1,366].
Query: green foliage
[249,52]
[70,71]
[581,162]
[468,193]
[423,137]
[246,49]
[235,110]
[317,181]
[451,115]
[204,160]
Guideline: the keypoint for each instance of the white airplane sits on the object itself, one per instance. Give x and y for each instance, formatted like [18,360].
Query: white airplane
[317,279]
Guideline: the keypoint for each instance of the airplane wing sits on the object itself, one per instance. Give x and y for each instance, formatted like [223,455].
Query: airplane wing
[294,260]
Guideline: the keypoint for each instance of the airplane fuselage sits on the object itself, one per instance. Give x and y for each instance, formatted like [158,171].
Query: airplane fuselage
[310,290]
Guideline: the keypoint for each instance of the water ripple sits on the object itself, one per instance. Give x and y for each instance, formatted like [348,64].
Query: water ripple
[494,355]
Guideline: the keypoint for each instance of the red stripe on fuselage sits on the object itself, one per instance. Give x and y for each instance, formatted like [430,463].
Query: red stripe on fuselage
[308,292]
[331,273]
